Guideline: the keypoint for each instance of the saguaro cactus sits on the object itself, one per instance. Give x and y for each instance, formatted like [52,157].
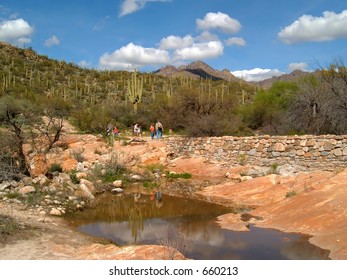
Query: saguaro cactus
[135,87]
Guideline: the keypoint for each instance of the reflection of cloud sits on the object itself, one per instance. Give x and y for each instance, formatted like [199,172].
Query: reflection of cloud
[303,250]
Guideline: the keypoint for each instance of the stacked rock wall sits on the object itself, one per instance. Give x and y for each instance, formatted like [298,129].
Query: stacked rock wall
[325,152]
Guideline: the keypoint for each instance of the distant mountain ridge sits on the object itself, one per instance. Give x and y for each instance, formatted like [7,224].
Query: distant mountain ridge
[200,69]
[197,70]
[291,77]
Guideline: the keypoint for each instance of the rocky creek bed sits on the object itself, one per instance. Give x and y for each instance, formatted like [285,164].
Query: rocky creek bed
[312,203]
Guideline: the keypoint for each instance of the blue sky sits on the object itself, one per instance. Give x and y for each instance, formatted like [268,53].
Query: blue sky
[252,38]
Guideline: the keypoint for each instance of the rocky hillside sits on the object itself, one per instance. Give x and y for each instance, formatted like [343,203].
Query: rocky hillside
[197,70]
[291,77]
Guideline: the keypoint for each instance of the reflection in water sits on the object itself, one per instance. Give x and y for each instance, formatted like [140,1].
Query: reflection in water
[187,225]
[135,221]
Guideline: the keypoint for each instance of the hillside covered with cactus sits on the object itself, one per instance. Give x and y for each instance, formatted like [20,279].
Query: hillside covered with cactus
[204,105]
[96,97]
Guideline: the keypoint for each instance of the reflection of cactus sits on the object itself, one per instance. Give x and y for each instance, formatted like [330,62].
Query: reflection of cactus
[136,221]
[135,87]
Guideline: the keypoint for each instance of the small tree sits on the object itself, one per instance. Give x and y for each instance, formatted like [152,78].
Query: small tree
[15,114]
[26,124]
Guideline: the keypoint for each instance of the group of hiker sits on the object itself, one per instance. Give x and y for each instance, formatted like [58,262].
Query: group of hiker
[156,130]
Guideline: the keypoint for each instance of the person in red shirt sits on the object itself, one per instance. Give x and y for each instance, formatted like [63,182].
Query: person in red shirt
[152,131]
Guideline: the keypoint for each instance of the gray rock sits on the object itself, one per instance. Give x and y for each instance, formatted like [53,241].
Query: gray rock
[117,190]
[136,177]
[286,170]
[5,185]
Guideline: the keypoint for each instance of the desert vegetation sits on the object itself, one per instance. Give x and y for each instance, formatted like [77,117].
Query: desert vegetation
[37,94]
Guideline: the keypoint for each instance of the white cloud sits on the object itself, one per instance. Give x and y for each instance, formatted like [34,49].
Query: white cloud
[206,36]
[16,31]
[52,41]
[219,21]
[200,51]
[175,42]
[256,74]
[101,23]
[133,56]
[132,6]
[297,66]
[315,29]
[236,41]
[84,64]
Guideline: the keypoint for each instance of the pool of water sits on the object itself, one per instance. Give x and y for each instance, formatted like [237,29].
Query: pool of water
[188,225]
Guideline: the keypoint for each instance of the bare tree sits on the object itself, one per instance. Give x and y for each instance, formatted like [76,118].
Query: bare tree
[9,168]
[320,107]
[27,124]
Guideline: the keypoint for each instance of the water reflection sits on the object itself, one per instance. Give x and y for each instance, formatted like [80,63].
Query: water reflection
[188,225]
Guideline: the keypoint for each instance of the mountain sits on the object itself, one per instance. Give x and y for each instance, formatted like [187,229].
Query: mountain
[291,77]
[197,70]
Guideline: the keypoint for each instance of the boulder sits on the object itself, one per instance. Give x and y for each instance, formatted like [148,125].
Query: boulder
[89,185]
[80,175]
[38,165]
[26,190]
[69,164]
[55,212]
[5,185]
[117,190]
[84,192]
[246,178]
[136,177]
[117,183]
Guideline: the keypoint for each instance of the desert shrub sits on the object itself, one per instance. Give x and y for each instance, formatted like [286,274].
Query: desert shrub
[291,193]
[8,227]
[55,167]
[113,170]
[273,168]
[73,176]
[156,167]
[179,175]
[267,110]
[78,155]
[147,184]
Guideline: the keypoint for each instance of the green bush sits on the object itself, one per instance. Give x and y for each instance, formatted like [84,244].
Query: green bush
[55,167]
[291,193]
[178,175]
[73,176]
[8,227]
[147,184]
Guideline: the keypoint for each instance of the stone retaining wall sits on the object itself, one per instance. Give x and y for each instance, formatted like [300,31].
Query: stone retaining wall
[326,152]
